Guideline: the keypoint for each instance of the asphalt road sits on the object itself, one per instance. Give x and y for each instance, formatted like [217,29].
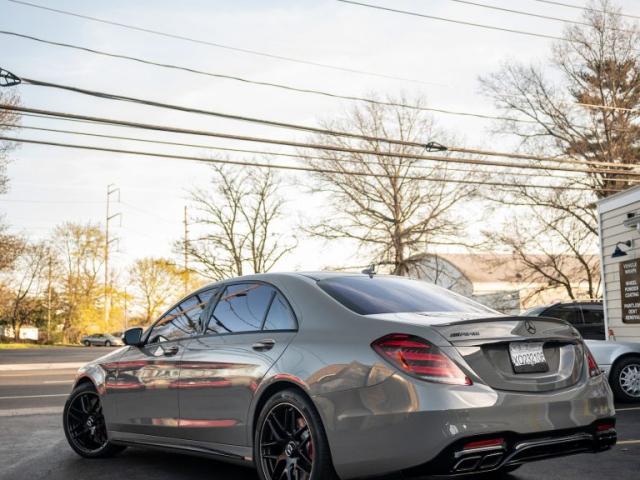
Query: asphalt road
[32,443]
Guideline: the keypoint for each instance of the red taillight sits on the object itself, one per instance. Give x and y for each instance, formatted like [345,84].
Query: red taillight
[601,428]
[420,359]
[484,443]
[594,369]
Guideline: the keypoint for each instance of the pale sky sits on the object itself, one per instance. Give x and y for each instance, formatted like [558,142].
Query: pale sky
[50,185]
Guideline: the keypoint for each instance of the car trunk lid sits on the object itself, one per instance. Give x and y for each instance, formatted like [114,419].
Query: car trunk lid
[485,345]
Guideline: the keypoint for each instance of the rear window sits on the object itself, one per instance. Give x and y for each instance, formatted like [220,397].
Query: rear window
[368,296]
[533,312]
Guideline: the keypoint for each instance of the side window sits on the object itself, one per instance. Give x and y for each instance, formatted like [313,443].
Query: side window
[241,308]
[279,317]
[593,314]
[183,320]
[566,313]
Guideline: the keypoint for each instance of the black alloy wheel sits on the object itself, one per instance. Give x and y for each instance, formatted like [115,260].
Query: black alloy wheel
[85,426]
[107,343]
[87,343]
[290,441]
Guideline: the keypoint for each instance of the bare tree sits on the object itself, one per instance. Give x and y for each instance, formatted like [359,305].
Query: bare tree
[236,220]
[80,251]
[10,247]
[156,282]
[9,121]
[394,218]
[590,113]
[553,249]
[25,284]
[9,244]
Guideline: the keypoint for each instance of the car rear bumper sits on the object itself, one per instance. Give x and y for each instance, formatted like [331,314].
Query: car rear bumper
[401,424]
[517,449]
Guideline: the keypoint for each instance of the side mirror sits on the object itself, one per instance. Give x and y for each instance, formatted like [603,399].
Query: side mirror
[133,336]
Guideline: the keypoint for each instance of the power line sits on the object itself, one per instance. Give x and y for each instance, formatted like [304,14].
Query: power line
[289,143]
[588,9]
[322,93]
[536,15]
[460,22]
[308,91]
[301,90]
[294,168]
[268,84]
[449,20]
[227,116]
[226,47]
[316,130]
[315,92]
[279,154]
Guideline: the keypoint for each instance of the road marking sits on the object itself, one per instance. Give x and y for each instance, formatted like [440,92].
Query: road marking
[35,396]
[19,412]
[628,442]
[627,409]
[19,367]
[58,381]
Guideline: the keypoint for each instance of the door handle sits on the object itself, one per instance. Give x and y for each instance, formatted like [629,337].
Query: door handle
[264,345]
[170,352]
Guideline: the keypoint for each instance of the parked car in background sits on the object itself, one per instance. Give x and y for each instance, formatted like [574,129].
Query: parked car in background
[619,361]
[102,340]
[305,376]
[586,316]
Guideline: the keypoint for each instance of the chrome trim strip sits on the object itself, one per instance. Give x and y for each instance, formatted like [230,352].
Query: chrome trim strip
[522,446]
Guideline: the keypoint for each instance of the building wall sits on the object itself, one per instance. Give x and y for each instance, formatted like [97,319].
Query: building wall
[612,213]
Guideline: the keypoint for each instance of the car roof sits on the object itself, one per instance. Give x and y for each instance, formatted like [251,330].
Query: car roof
[316,276]
[570,303]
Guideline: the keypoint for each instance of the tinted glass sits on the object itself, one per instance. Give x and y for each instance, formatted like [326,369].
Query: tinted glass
[183,320]
[533,312]
[241,308]
[368,296]
[279,317]
[593,314]
[567,314]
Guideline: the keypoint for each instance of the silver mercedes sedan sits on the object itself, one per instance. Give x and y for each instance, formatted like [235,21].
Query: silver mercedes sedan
[313,376]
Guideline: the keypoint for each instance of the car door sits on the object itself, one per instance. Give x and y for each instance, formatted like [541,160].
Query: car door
[100,340]
[248,329]
[593,315]
[146,387]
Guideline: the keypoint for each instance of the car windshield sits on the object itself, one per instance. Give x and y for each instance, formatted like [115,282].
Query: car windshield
[376,295]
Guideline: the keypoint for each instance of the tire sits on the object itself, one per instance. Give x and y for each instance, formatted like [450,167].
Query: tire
[625,379]
[87,343]
[300,445]
[84,424]
[107,343]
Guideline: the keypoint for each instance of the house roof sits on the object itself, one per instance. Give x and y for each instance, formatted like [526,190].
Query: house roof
[504,267]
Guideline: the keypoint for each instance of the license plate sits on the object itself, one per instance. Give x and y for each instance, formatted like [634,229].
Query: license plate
[528,357]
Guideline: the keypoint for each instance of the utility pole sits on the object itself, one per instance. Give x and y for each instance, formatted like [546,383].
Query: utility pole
[49,297]
[126,308]
[111,190]
[186,250]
